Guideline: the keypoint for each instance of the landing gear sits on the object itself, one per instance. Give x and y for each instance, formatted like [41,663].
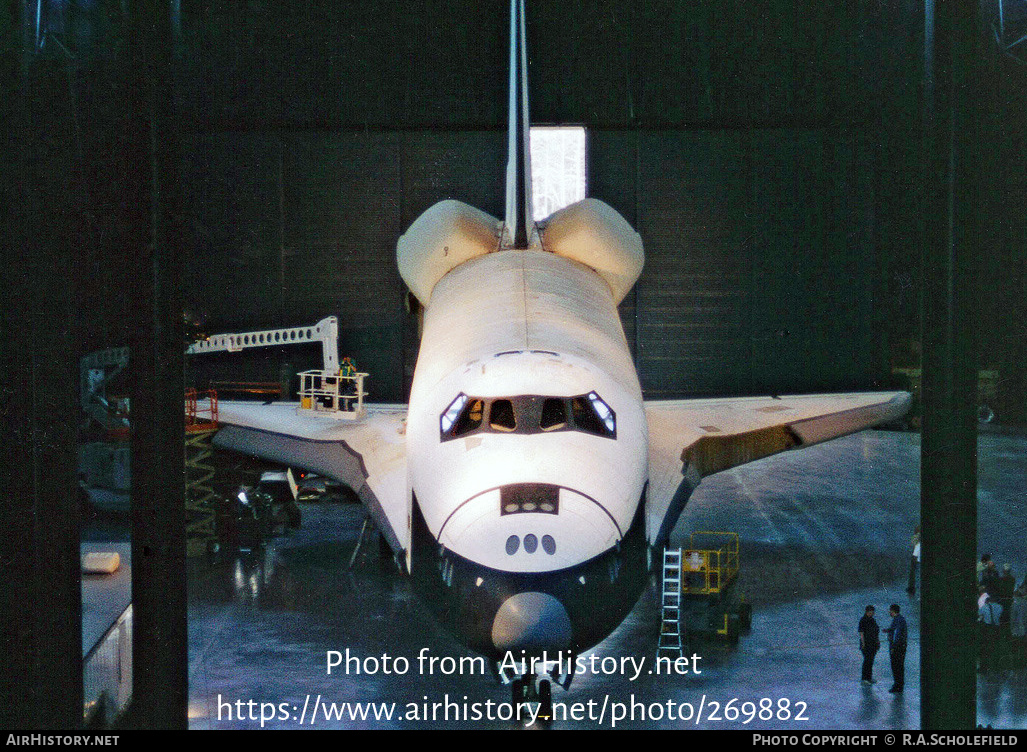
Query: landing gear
[531,693]
[534,699]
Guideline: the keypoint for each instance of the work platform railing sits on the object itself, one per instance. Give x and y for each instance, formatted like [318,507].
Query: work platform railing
[334,394]
[710,562]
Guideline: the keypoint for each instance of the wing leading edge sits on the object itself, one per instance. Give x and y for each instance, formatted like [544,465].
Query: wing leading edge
[369,455]
[688,440]
[691,439]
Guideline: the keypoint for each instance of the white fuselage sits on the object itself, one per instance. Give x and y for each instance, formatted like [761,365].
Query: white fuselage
[525,325]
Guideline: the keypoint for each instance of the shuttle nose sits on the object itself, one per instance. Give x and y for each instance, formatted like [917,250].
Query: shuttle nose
[531,621]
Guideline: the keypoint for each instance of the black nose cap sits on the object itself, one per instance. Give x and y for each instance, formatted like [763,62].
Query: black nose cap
[531,621]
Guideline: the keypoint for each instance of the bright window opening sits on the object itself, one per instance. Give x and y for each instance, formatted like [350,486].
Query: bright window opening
[592,415]
[603,411]
[557,168]
[452,412]
[462,416]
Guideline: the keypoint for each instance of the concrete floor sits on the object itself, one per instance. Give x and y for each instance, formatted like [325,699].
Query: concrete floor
[824,532]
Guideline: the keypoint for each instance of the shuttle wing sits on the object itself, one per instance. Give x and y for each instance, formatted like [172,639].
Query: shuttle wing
[368,455]
[690,439]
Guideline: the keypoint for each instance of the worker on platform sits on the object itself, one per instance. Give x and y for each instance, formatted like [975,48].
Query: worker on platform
[348,371]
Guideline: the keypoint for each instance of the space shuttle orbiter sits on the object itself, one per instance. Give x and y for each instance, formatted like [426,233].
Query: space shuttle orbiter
[527,480]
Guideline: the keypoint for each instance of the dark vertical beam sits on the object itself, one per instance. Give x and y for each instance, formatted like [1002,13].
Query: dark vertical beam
[282,276]
[949,439]
[29,19]
[160,691]
[41,681]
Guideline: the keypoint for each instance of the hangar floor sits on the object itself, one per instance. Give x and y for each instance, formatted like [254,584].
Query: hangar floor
[824,532]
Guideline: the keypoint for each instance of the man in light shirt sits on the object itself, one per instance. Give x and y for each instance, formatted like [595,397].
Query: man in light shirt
[914,561]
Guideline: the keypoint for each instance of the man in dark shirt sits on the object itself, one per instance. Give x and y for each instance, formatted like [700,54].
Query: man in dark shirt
[990,616]
[897,633]
[869,643]
[989,578]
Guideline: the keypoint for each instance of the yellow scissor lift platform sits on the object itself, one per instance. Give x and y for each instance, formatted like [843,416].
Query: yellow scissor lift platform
[703,584]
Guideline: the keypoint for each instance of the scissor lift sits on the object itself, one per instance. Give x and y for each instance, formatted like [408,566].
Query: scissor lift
[700,590]
[201,423]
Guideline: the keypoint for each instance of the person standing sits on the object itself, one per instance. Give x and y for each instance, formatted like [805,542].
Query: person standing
[989,615]
[990,578]
[914,561]
[869,643]
[897,636]
[982,565]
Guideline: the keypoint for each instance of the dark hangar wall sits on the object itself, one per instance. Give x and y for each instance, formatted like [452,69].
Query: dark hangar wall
[285,229]
[761,272]
[770,153]
[742,140]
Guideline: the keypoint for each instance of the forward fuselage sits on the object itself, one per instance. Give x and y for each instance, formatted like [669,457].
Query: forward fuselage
[528,455]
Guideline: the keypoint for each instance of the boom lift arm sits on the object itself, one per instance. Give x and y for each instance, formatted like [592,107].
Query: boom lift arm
[325,331]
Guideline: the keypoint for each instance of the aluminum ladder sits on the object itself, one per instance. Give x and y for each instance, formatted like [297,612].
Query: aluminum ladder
[670,628]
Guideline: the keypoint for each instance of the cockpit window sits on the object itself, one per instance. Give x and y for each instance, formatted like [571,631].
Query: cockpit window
[604,412]
[554,414]
[452,413]
[501,416]
[584,417]
[462,416]
[529,413]
[470,417]
[592,415]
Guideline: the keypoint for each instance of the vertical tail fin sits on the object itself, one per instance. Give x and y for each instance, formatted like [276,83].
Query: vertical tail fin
[519,226]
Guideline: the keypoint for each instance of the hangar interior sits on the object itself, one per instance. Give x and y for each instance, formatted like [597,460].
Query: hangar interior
[771,155]
[771,169]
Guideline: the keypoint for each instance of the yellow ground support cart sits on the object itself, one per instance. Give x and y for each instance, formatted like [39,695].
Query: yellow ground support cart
[700,592]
